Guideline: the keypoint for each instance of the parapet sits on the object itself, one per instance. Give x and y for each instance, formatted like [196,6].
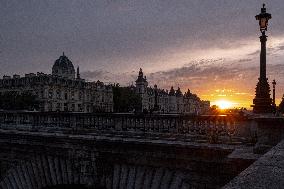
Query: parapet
[30,75]
[6,77]
[16,76]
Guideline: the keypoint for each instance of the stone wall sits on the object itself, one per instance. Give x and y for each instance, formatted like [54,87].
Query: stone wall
[266,172]
[41,159]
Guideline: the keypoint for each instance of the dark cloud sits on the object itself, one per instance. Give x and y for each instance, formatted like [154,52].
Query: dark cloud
[201,79]
[122,34]
[126,78]
[281,48]
[109,39]
[235,76]
[93,75]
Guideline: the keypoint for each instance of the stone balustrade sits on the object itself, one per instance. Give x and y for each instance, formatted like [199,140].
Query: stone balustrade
[210,127]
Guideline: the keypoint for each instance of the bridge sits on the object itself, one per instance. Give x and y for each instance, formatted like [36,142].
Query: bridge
[41,150]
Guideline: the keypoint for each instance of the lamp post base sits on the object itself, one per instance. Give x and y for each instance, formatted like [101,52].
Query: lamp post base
[262,103]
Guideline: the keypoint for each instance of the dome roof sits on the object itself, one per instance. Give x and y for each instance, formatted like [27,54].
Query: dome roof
[64,62]
[63,67]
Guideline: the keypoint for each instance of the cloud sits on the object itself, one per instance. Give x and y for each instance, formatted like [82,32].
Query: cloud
[118,33]
[245,60]
[254,53]
[126,78]
[236,79]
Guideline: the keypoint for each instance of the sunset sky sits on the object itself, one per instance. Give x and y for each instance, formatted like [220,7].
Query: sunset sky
[209,46]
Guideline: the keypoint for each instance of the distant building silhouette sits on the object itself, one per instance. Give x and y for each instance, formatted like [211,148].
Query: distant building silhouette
[172,101]
[61,91]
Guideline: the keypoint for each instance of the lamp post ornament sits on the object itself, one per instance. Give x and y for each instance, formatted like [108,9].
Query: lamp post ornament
[262,103]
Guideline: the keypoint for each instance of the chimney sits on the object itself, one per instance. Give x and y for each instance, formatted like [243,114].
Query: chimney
[78,73]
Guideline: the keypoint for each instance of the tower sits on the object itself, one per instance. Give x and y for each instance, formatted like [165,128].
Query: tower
[172,101]
[141,83]
[156,106]
[179,99]
[141,89]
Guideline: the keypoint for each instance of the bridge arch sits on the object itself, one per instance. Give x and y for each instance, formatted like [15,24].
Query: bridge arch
[48,172]
[51,172]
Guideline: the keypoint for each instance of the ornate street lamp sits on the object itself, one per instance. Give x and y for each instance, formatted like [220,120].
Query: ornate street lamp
[262,101]
[263,18]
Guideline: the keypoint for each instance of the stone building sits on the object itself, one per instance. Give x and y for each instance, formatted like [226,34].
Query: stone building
[165,101]
[61,90]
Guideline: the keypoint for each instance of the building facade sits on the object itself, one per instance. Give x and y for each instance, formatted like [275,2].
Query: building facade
[61,90]
[164,101]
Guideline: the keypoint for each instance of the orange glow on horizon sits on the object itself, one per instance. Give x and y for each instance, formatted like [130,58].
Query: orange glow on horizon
[224,104]
[228,98]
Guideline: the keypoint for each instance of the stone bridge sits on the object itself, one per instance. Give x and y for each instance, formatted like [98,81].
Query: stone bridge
[72,150]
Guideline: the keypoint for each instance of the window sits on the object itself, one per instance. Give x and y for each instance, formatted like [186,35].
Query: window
[80,95]
[80,109]
[58,106]
[49,106]
[72,95]
[66,96]
[50,94]
[73,108]
[65,107]
[58,94]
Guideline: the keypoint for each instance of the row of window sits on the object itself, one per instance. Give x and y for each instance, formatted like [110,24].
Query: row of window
[162,100]
[73,95]
[68,107]
[41,80]
[60,95]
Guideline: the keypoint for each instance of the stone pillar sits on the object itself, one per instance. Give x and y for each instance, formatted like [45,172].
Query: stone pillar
[270,131]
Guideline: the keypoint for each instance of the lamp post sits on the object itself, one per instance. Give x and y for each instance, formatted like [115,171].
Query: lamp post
[262,103]
[273,95]
[156,107]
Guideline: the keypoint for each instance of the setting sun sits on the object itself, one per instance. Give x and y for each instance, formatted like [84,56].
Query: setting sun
[224,104]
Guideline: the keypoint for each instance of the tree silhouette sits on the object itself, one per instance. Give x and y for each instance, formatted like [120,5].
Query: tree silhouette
[125,99]
[281,105]
[13,100]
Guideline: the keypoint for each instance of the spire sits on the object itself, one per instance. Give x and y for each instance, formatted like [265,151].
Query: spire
[78,73]
[140,72]
[140,77]
[178,92]
[172,91]
[63,54]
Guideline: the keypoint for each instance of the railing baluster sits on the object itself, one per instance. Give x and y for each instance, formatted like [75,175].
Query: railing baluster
[214,127]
